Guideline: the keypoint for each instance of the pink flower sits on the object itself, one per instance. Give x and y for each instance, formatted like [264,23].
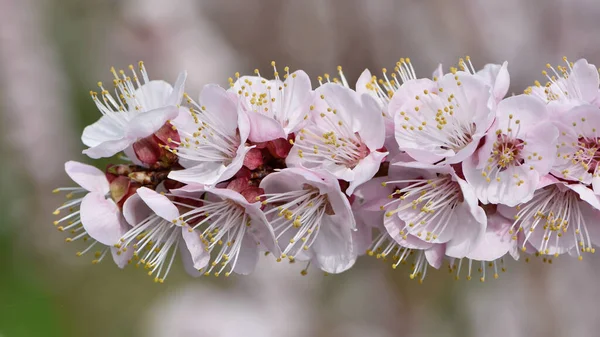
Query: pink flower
[231,225]
[435,205]
[311,218]
[156,235]
[343,138]
[442,120]
[383,90]
[560,218]
[578,157]
[213,138]
[573,84]
[137,112]
[275,108]
[390,243]
[519,148]
[92,213]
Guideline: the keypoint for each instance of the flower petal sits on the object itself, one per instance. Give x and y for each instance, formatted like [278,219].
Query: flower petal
[365,170]
[104,129]
[177,94]
[87,176]
[247,257]
[195,248]
[147,123]
[102,219]
[108,148]
[160,204]
[333,247]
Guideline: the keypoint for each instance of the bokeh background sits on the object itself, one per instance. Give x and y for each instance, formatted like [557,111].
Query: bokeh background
[52,52]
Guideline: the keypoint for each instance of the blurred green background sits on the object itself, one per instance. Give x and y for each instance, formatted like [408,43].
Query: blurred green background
[53,52]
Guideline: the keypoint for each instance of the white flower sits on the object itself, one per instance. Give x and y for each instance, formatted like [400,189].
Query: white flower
[519,149]
[156,236]
[311,218]
[442,120]
[275,108]
[578,157]
[137,110]
[93,216]
[232,228]
[573,84]
[213,138]
[435,205]
[560,218]
[344,137]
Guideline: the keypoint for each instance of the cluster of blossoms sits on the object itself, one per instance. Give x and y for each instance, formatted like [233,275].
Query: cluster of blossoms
[403,168]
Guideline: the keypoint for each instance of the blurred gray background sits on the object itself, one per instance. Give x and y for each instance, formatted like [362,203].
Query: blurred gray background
[52,52]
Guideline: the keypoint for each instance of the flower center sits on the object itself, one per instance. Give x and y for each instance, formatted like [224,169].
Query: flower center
[298,215]
[588,153]
[425,205]
[555,212]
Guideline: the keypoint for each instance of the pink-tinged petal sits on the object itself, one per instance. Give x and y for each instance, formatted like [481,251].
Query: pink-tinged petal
[587,79]
[541,140]
[200,257]
[297,100]
[362,83]
[467,232]
[344,100]
[264,128]
[333,247]
[341,207]
[371,123]
[102,219]
[188,261]
[122,258]
[371,195]
[527,109]
[407,93]
[466,151]
[476,179]
[496,242]
[135,210]
[87,176]
[177,94]
[435,255]
[108,148]
[596,185]
[160,204]
[293,179]
[497,77]
[586,195]
[365,170]
[153,95]
[247,257]
[104,129]
[147,123]
[221,106]
[507,191]
[190,188]
[363,236]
